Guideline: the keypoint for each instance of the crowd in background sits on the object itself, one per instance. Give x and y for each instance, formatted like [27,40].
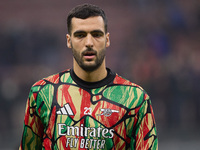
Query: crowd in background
[160,53]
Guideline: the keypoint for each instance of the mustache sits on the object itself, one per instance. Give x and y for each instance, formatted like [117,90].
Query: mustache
[89,50]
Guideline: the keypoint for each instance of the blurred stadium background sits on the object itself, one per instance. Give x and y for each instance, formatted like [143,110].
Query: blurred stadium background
[154,43]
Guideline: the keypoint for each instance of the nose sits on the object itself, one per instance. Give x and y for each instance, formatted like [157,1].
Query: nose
[89,41]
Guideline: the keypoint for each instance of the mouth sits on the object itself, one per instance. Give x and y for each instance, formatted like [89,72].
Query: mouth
[88,55]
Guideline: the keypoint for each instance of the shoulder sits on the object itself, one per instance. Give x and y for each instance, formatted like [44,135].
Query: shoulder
[125,92]
[52,79]
[123,81]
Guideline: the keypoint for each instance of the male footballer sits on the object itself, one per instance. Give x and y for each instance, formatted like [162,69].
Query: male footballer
[88,106]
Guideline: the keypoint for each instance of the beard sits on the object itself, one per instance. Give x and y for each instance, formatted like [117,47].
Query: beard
[88,65]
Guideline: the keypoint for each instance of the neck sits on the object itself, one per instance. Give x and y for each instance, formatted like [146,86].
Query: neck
[91,76]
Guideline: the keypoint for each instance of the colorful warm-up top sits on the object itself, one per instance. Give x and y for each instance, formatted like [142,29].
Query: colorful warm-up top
[65,112]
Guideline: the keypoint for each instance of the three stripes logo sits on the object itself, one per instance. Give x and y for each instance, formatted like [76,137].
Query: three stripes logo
[65,110]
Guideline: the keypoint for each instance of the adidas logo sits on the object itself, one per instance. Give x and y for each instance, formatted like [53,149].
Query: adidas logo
[65,110]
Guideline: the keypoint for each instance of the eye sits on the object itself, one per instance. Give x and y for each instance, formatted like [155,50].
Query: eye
[80,35]
[97,34]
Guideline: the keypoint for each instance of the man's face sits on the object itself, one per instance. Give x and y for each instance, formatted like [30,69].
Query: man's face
[88,41]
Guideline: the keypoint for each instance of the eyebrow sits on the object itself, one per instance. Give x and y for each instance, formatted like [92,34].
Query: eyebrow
[81,31]
[97,31]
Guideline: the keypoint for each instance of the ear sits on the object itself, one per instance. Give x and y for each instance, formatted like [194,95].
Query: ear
[107,39]
[68,41]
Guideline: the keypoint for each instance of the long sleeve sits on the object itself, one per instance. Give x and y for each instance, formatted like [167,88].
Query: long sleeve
[33,127]
[146,136]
